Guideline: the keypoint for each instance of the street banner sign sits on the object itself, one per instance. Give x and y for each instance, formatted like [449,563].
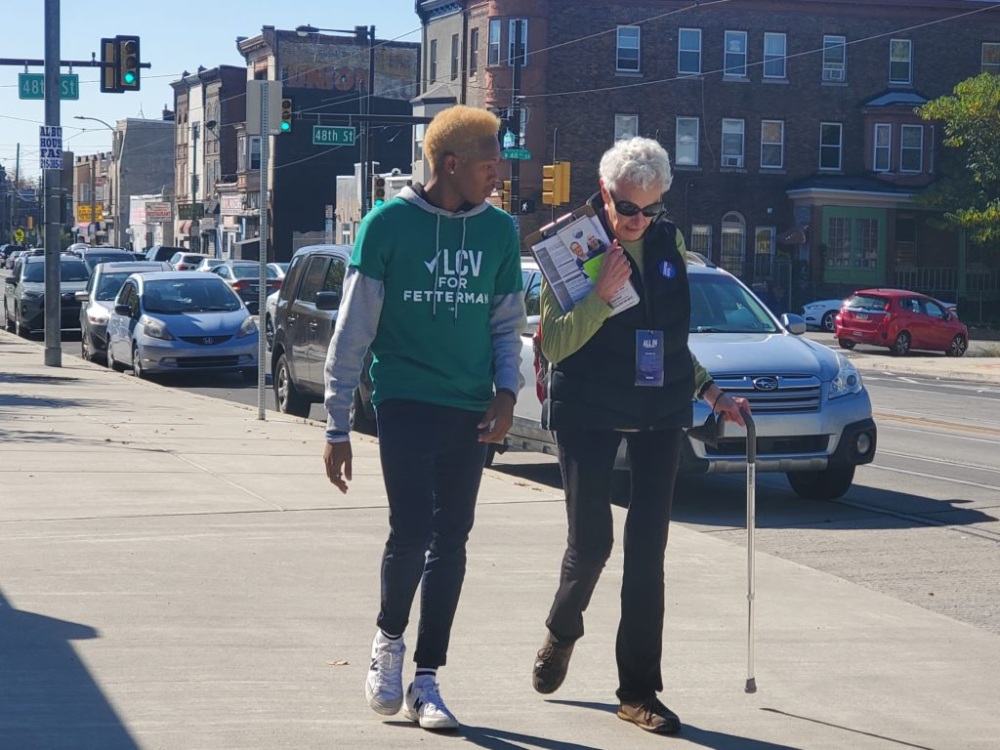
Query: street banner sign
[332,135]
[83,213]
[32,86]
[19,236]
[515,153]
[50,147]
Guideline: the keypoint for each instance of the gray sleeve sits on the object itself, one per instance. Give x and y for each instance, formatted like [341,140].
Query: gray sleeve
[357,323]
[507,321]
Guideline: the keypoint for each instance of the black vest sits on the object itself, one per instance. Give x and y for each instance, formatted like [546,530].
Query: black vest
[594,388]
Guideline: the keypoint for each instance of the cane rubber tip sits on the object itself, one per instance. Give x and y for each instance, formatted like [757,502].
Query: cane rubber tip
[751,685]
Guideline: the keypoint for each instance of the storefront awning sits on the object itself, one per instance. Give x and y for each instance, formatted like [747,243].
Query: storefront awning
[184,227]
[798,235]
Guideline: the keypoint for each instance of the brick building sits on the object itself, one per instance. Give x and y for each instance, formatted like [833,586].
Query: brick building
[791,123]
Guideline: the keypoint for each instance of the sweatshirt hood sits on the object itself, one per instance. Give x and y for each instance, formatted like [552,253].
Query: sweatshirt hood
[414,196]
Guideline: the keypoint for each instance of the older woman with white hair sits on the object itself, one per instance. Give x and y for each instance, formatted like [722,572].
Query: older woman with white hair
[626,376]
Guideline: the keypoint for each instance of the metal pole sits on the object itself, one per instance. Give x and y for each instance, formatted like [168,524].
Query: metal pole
[751,684]
[93,201]
[52,177]
[515,114]
[265,199]
[194,187]
[365,144]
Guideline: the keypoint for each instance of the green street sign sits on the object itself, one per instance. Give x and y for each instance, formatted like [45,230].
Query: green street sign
[330,135]
[515,153]
[32,86]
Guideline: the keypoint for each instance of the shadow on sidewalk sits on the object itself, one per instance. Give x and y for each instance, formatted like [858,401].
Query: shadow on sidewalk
[48,698]
[690,733]
[498,739]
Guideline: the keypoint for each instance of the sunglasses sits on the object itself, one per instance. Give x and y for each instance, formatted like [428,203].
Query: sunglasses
[628,208]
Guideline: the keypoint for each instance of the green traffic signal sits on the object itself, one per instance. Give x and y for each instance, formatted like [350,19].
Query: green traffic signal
[286,126]
[130,78]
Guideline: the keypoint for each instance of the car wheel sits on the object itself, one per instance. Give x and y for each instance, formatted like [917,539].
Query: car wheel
[19,328]
[901,346]
[269,332]
[8,322]
[286,395]
[137,363]
[958,347]
[846,343]
[85,352]
[113,363]
[359,419]
[828,484]
[827,323]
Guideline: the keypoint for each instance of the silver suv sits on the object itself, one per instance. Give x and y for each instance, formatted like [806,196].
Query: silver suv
[812,412]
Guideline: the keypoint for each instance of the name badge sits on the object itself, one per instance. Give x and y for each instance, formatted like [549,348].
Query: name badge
[648,358]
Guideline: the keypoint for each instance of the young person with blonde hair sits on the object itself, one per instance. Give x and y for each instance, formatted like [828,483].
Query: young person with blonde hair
[434,289]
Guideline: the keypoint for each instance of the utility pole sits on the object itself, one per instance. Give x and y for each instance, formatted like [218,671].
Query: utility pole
[194,186]
[515,115]
[366,139]
[93,201]
[53,179]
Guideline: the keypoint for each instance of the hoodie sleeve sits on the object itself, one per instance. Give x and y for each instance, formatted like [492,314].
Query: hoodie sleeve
[507,321]
[357,323]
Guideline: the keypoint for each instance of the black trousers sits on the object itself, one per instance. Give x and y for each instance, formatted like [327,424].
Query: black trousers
[432,464]
[586,459]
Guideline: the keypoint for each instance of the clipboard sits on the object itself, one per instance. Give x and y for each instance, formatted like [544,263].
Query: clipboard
[570,252]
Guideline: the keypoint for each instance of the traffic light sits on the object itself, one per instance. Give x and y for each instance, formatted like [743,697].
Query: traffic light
[109,67]
[378,190]
[527,206]
[555,183]
[128,63]
[505,196]
[286,115]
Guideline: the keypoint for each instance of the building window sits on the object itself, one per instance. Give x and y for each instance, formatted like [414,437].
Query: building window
[689,51]
[834,58]
[911,148]
[775,49]
[736,54]
[763,242]
[432,62]
[686,142]
[418,141]
[868,231]
[473,51]
[512,40]
[838,254]
[701,240]
[830,145]
[493,50]
[734,233]
[626,126]
[627,58]
[991,58]
[882,147]
[772,144]
[732,143]
[454,56]
[900,58]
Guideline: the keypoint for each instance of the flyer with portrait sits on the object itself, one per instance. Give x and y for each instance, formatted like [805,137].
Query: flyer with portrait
[570,252]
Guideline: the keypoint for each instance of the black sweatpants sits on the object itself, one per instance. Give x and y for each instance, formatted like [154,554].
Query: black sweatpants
[586,459]
[432,464]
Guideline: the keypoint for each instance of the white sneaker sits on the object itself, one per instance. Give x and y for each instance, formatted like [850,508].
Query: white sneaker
[424,705]
[384,684]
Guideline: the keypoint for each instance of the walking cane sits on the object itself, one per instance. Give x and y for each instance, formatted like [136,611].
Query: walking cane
[751,686]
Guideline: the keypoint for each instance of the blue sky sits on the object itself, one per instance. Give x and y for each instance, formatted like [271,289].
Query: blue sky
[175,36]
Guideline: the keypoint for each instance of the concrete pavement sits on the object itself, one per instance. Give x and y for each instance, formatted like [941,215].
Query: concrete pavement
[176,574]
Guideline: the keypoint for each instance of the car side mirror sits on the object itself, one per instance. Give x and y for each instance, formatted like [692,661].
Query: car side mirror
[10,281]
[82,296]
[123,310]
[795,324]
[327,300]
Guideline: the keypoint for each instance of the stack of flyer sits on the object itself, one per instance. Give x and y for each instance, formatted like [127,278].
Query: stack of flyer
[570,252]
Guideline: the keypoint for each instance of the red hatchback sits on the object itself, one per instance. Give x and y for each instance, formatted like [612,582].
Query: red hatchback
[900,320]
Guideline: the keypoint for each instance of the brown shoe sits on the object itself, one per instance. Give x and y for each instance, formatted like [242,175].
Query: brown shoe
[551,665]
[650,715]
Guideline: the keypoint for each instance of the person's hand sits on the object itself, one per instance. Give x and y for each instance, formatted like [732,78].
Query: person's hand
[731,408]
[497,419]
[337,457]
[615,271]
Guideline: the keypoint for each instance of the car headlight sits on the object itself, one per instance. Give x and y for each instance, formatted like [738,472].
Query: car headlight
[249,328]
[157,329]
[29,294]
[848,379]
[98,317]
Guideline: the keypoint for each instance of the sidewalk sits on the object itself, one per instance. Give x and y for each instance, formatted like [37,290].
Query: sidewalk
[176,574]
[975,369]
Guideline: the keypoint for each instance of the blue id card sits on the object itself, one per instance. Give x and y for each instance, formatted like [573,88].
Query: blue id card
[649,358]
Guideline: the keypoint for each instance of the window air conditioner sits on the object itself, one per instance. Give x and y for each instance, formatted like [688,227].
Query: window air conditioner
[833,74]
[732,161]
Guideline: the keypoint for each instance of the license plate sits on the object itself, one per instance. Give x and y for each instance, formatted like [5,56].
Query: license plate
[861,316]
[857,334]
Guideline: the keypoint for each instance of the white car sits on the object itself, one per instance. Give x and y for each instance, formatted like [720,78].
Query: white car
[820,314]
[812,412]
[270,304]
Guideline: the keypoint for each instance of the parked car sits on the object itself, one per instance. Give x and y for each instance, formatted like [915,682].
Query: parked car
[13,256]
[163,252]
[270,305]
[186,261]
[821,313]
[208,264]
[244,278]
[176,321]
[902,321]
[304,318]
[6,251]
[24,293]
[281,269]
[93,256]
[812,412]
[98,299]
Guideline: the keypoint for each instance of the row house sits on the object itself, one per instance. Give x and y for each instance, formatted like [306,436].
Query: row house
[798,154]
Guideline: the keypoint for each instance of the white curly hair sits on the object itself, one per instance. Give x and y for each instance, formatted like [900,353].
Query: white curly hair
[642,162]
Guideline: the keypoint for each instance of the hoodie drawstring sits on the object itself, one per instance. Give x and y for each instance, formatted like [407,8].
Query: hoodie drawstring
[463,251]
[437,266]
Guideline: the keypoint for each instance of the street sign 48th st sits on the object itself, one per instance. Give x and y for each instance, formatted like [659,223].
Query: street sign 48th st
[332,135]
[32,86]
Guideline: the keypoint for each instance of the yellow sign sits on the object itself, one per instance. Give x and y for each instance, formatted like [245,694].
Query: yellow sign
[83,213]
[19,235]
